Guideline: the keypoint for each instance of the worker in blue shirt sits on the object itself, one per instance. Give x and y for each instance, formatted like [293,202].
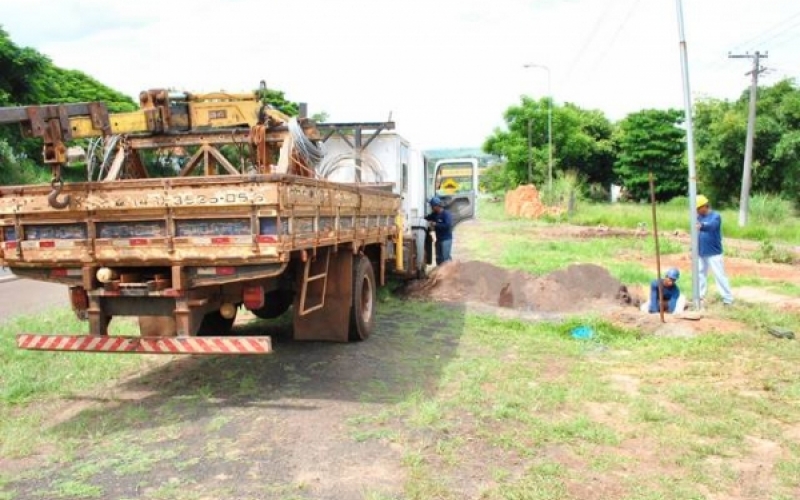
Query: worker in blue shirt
[709,227]
[673,302]
[441,221]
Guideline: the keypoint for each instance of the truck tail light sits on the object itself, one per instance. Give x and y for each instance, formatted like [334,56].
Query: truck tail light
[253,296]
[225,271]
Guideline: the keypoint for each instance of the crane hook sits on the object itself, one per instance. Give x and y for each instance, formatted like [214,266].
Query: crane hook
[57,184]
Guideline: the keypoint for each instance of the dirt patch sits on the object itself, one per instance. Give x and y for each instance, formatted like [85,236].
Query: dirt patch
[674,325]
[761,296]
[576,288]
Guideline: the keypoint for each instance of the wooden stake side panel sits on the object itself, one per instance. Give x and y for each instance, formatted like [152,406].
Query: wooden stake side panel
[174,222]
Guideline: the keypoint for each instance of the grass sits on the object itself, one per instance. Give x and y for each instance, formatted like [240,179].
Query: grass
[523,397]
[671,217]
[688,412]
[30,379]
[23,381]
[762,225]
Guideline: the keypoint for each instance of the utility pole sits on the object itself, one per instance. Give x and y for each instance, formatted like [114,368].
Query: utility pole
[747,176]
[687,105]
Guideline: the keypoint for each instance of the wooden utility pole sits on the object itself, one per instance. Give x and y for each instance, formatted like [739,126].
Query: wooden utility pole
[747,176]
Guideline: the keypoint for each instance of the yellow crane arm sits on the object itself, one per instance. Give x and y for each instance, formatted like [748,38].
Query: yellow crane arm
[160,111]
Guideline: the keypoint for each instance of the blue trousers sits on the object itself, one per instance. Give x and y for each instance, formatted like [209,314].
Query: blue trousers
[443,248]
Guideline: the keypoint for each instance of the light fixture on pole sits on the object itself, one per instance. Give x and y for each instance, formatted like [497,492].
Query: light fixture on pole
[549,124]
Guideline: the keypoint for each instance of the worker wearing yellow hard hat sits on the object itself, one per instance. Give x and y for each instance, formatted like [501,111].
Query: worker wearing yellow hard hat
[709,226]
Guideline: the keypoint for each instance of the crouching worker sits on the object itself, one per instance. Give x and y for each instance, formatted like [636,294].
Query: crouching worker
[673,302]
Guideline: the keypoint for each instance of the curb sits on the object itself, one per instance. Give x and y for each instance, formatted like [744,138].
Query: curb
[9,277]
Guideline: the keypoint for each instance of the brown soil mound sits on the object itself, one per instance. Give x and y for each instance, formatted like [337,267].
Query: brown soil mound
[575,288]
[525,202]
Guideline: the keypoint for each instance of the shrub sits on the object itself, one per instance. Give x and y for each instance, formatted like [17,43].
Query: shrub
[766,208]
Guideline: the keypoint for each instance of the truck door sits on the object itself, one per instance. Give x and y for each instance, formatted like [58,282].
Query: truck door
[456,183]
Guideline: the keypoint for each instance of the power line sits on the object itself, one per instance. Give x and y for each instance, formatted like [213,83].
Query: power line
[586,42]
[785,25]
[767,31]
[615,35]
[780,34]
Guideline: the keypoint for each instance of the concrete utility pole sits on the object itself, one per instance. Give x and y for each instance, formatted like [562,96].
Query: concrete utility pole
[687,104]
[747,176]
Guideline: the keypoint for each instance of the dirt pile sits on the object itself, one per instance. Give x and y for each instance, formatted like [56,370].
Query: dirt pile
[576,288]
[525,202]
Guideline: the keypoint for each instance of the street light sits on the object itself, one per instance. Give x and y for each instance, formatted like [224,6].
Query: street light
[549,125]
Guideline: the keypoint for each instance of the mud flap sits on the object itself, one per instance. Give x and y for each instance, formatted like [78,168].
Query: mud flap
[330,323]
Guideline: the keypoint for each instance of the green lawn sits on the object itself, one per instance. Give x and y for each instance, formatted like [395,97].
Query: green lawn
[783,230]
[31,379]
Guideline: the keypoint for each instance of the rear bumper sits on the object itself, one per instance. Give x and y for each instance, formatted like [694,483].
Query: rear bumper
[146,345]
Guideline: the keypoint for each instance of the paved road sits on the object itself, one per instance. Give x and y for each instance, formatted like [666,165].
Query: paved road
[23,296]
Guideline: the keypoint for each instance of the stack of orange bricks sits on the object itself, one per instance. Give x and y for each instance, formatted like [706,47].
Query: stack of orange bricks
[525,202]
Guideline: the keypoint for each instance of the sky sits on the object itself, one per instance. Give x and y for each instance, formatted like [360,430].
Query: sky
[445,71]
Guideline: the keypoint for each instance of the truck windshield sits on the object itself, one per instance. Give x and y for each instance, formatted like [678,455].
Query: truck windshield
[455,178]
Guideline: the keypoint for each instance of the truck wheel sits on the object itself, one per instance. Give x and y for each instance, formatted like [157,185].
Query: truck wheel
[214,324]
[276,303]
[365,297]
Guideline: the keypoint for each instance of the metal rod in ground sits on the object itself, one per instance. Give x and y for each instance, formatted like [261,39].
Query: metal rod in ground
[658,252]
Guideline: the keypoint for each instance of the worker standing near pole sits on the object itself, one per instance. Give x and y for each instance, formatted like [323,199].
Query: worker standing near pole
[709,227]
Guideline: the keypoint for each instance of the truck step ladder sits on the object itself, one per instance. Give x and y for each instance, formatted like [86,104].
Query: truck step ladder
[309,279]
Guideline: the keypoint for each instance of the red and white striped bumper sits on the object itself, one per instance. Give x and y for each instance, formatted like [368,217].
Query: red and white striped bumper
[146,345]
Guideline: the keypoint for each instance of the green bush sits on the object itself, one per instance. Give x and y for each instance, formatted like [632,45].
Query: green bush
[497,179]
[678,201]
[767,208]
[768,252]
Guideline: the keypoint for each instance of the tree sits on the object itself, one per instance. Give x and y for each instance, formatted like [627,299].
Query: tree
[277,99]
[320,117]
[581,141]
[585,143]
[721,127]
[720,131]
[17,65]
[651,140]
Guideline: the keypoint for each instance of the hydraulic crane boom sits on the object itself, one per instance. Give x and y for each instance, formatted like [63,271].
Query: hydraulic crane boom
[160,112]
[165,119]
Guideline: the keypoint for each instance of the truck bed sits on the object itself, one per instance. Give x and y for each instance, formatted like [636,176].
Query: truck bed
[253,221]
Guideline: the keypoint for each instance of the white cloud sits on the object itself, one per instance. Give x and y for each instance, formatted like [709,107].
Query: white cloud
[446,70]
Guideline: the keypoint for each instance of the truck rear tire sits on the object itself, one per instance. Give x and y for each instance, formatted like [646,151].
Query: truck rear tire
[215,324]
[276,303]
[365,297]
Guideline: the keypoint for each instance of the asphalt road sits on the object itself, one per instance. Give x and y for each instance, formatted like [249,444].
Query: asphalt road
[21,296]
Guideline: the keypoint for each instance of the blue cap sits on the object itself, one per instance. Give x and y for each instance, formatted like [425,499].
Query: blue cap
[436,202]
[673,274]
